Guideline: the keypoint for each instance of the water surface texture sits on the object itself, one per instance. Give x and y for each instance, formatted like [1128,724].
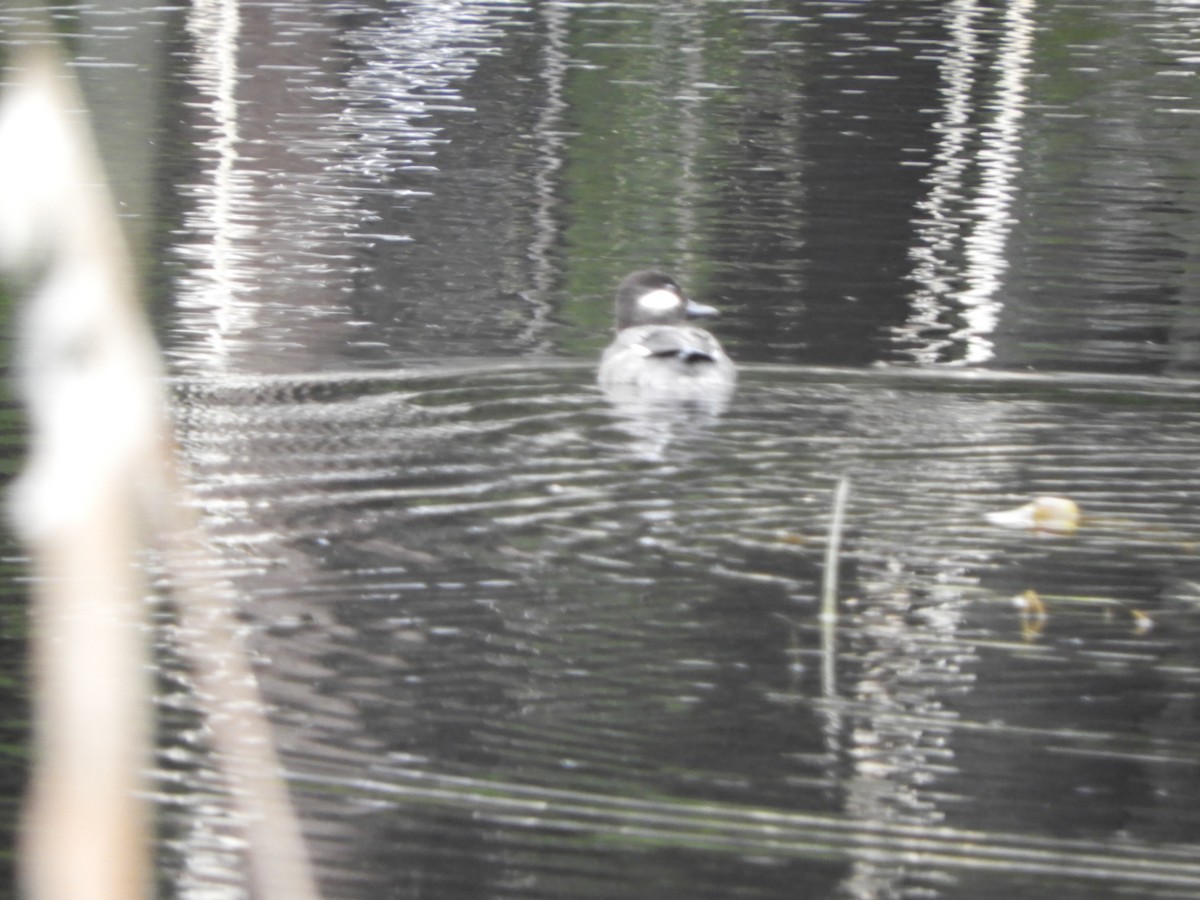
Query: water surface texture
[519,642]
[541,648]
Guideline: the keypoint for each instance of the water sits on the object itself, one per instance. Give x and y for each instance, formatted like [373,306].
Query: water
[520,643]
[580,641]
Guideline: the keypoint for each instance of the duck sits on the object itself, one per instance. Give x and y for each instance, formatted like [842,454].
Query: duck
[656,354]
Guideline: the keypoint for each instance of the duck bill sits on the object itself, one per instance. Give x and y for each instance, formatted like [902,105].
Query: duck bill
[698,310]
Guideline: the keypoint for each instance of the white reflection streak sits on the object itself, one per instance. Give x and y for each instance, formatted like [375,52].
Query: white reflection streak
[550,138]
[692,125]
[987,246]
[988,214]
[405,60]
[939,228]
[216,25]
[409,62]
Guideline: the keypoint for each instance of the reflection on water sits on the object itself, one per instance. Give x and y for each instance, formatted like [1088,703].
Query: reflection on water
[960,275]
[523,642]
[944,182]
[314,180]
[503,640]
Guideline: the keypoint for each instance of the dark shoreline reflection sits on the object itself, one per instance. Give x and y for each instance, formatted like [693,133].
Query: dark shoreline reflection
[908,184]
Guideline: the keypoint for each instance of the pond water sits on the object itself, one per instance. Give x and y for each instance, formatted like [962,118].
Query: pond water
[519,642]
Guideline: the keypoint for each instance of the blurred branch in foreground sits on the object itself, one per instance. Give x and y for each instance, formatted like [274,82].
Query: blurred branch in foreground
[101,484]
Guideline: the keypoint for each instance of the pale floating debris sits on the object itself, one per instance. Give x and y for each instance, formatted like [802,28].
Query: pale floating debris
[1142,623]
[1030,603]
[789,537]
[1053,515]
[1033,614]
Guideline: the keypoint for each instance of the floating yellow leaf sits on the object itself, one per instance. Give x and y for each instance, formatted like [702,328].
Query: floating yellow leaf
[1053,515]
[788,537]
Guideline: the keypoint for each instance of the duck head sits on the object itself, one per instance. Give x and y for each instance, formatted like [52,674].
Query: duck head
[652,298]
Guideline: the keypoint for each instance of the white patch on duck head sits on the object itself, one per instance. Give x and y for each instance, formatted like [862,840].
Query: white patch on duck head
[660,300]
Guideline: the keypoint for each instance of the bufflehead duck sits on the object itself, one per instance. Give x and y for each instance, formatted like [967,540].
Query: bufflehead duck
[656,354]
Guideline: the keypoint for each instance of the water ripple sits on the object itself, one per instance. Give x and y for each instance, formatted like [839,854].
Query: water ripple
[485,571]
